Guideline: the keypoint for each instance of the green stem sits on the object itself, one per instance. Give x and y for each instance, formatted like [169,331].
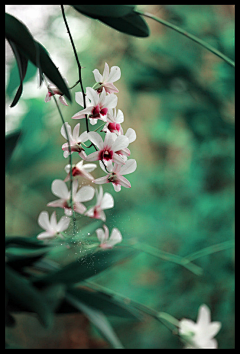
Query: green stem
[188,35]
[184,262]
[70,158]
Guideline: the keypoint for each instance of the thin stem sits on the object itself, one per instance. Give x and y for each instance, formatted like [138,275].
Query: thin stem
[78,63]
[70,157]
[188,35]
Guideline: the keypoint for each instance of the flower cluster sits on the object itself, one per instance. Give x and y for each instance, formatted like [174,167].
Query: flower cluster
[111,152]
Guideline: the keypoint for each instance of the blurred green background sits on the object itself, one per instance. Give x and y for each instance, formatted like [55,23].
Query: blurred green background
[179,98]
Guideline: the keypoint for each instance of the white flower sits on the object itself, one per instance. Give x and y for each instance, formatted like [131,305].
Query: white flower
[200,335]
[53,90]
[80,170]
[104,201]
[108,148]
[60,189]
[106,79]
[114,120]
[75,140]
[107,242]
[97,105]
[51,226]
[116,175]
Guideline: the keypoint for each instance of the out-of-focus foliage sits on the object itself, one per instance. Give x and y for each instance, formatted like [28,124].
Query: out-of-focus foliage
[180,100]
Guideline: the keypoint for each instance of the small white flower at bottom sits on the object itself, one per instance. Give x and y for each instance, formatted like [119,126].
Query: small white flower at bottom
[200,335]
[52,227]
[107,242]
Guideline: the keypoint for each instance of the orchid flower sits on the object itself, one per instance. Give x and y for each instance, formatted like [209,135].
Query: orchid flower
[52,227]
[104,201]
[114,120]
[107,242]
[200,335]
[108,148]
[106,79]
[53,90]
[116,175]
[75,140]
[80,170]
[97,106]
[60,189]
[131,135]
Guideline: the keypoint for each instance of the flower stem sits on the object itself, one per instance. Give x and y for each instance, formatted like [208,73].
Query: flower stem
[78,63]
[70,157]
[188,35]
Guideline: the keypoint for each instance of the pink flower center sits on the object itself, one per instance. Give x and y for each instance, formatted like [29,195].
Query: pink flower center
[97,110]
[113,127]
[76,172]
[106,154]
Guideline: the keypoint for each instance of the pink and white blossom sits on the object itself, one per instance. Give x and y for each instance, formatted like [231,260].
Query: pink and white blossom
[84,194]
[107,242]
[53,90]
[97,105]
[107,148]
[80,170]
[52,227]
[107,78]
[115,176]
[114,120]
[104,201]
[75,140]
[200,335]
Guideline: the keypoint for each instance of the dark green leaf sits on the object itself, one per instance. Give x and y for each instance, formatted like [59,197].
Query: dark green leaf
[99,320]
[28,242]
[18,33]
[132,24]
[22,63]
[103,302]
[22,294]
[11,140]
[95,11]
[86,267]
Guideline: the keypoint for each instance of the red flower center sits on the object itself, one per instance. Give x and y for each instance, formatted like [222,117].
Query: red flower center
[106,154]
[114,126]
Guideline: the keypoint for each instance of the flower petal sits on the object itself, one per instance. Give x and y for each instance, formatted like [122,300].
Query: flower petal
[62,100]
[79,98]
[79,208]
[93,96]
[101,235]
[81,114]
[97,76]
[111,101]
[115,237]
[84,194]
[101,180]
[105,73]
[96,139]
[60,189]
[45,235]
[115,74]
[120,143]
[43,220]
[124,182]
[93,156]
[75,133]
[129,167]
[107,201]
[131,135]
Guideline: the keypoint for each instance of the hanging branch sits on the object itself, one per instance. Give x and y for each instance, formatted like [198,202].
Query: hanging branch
[188,35]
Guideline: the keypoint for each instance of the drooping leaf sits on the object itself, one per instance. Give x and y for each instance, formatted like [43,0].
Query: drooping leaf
[22,63]
[95,11]
[22,295]
[103,302]
[85,267]
[99,320]
[131,23]
[19,34]
[11,140]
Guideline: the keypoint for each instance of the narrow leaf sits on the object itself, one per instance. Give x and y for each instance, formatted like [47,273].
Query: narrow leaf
[99,320]
[23,295]
[22,63]
[11,140]
[95,11]
[132,24]
[19,34]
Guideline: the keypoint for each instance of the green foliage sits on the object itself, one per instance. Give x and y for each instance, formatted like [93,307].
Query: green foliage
[25,46]
[120,17]
[179,98]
